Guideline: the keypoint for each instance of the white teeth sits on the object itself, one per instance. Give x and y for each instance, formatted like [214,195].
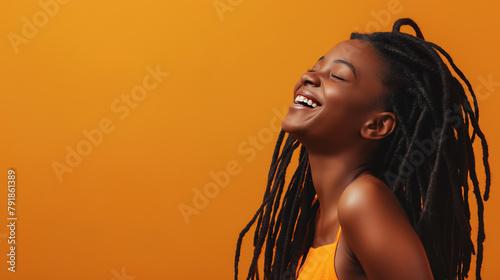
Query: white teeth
[302,99]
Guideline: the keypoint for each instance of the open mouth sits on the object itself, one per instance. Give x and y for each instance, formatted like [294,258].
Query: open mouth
[304,101]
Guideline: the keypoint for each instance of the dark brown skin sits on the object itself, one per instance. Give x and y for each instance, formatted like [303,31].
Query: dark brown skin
[341,134]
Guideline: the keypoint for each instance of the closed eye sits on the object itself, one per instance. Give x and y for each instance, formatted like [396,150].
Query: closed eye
[339,78]
[333,76]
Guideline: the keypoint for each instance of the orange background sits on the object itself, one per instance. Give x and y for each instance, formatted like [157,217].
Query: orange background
[231,75]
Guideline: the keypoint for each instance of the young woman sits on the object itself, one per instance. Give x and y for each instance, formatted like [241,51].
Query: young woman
[384,133]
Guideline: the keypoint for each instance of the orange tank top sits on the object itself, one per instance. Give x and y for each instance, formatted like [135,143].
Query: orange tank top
[320,263]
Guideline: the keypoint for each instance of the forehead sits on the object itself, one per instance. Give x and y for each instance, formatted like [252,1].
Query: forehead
[360,54]
[367,64]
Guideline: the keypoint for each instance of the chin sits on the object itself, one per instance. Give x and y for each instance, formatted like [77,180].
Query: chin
[293,128]
[289,125]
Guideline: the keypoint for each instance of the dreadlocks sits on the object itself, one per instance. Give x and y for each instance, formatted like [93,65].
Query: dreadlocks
[427,161]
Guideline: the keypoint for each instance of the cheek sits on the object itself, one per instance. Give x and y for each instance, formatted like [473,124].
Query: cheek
[344,111]
[338,102]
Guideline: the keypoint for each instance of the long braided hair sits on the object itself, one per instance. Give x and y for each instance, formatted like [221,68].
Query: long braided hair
[427,161]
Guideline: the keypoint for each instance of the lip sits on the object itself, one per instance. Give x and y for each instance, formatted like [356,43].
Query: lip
[309,95]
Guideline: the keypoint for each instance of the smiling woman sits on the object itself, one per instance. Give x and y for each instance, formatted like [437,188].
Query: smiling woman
[353,209]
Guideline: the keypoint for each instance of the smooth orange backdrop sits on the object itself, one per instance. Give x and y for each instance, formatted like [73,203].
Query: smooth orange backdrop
[117,215]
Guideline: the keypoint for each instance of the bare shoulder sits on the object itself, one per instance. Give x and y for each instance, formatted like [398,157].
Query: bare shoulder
[368,194]
[377,231]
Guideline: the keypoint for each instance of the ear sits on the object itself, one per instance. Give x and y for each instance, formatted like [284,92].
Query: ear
[379,126]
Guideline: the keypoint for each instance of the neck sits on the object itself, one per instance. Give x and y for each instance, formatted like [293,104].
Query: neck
[332,173]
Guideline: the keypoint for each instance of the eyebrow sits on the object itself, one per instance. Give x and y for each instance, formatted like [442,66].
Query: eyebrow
[343,62]
[348,64]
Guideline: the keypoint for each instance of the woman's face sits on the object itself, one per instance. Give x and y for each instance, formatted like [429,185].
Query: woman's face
[336,97]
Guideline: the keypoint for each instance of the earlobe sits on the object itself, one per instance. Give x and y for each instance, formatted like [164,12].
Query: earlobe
[379,126]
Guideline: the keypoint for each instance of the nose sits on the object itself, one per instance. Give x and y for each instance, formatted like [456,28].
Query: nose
[310,77]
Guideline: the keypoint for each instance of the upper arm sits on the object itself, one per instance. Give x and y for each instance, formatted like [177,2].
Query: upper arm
[376,229]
